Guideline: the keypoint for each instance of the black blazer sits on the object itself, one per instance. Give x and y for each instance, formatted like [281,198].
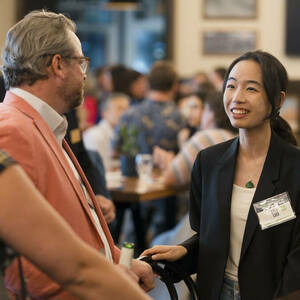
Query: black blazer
[270,259]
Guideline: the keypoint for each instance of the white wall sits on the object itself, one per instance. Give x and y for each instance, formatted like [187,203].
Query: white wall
[7,17]
[189,25]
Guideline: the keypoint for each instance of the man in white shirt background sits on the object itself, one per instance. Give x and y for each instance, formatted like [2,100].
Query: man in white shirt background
[98,138]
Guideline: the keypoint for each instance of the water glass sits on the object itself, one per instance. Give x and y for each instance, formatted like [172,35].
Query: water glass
[144,165]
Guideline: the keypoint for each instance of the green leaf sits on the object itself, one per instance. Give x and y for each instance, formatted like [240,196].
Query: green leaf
[129,140]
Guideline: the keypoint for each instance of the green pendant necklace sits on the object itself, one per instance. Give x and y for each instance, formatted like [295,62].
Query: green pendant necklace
[249,185]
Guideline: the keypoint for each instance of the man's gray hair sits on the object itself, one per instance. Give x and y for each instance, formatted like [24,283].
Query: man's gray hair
[30,44]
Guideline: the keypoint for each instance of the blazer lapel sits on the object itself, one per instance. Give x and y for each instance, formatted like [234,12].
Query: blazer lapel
[56,148]
[265,189]
[91,194]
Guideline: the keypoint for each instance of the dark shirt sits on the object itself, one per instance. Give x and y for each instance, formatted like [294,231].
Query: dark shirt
[158,124]
[90,161]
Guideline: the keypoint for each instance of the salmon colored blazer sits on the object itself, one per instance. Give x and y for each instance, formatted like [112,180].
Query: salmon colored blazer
[29,140]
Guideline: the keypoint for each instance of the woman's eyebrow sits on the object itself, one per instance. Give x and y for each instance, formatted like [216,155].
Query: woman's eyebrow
[247,81]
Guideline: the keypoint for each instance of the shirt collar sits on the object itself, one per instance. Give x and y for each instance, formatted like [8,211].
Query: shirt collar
[57,123]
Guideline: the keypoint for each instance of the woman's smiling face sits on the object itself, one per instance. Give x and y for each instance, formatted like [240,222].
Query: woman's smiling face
[245,98]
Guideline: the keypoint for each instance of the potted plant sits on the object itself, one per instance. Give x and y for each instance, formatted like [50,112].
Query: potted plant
[129,149]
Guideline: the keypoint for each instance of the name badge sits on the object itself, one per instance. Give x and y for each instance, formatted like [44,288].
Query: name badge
[274,210]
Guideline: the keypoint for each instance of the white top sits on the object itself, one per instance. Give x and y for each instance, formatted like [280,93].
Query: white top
[240,205]
[58,125]
[98,138]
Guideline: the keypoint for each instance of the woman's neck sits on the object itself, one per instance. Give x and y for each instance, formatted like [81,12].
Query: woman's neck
[255,143]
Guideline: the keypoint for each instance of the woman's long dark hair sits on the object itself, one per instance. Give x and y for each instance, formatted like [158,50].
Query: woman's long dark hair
[275,81]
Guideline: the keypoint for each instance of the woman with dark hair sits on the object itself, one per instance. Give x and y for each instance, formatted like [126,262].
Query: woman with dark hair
[137,86]
[191,107]
[245,193]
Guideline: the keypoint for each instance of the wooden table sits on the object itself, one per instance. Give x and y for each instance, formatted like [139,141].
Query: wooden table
[132,189]
[129,192]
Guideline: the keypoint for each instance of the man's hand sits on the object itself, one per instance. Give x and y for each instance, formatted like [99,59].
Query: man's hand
[162,158]
[132,275]
[145,274]
[107,207]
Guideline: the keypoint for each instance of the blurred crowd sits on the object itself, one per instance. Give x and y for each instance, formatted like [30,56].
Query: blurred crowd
[169,114]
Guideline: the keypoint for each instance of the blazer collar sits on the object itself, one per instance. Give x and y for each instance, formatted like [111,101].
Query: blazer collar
[17,102]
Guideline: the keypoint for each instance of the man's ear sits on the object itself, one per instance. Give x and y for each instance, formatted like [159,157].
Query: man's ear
[57,66]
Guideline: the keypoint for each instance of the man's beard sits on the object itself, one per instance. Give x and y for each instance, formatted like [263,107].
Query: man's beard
[76,99]
[73,98]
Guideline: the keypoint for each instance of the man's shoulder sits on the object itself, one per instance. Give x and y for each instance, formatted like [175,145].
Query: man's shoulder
[12,117]
[133,113]
[142,107]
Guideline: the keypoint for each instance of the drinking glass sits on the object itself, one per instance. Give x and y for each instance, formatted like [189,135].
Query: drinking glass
[144,164]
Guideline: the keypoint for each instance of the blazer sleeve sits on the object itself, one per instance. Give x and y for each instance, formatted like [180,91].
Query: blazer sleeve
[192,244]
[290,281]
[15,141]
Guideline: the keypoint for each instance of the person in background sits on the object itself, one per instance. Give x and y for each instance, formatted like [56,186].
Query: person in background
[198,80]
[157,118]
[245,194]
[103,86]
[191,108]
[184,89]
[158,122]
[98,138]
[44,70]
[119,78]
[137,87]
[90,105]
[54,247]
[215,128]
[216,77]
[129,82]
[103,82]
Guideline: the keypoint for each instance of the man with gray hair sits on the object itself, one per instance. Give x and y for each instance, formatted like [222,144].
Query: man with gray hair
[44,70]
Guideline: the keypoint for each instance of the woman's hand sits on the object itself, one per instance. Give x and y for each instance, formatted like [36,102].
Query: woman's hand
[170,253]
